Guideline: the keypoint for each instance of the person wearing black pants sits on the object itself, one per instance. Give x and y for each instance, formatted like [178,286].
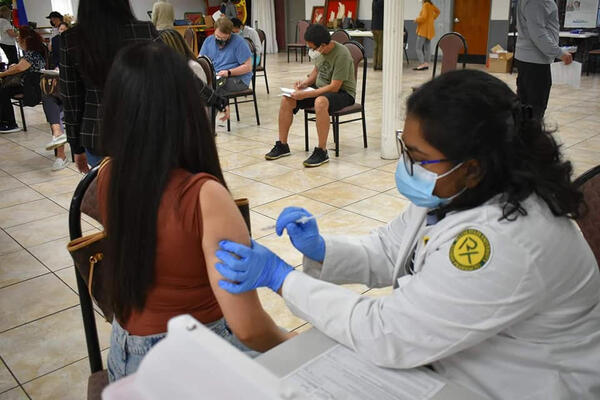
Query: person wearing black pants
[537,47]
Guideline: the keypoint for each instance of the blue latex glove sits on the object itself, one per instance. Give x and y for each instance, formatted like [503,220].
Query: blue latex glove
[250,267]
[305,237]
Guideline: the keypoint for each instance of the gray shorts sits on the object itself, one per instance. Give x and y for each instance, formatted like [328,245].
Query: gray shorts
[232,84]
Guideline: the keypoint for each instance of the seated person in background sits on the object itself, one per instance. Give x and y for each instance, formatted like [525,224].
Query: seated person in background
[250,33]
[166,213]
[231,57]
[335,88]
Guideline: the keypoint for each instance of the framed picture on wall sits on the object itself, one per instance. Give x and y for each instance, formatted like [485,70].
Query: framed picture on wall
[337,10]
[318,15]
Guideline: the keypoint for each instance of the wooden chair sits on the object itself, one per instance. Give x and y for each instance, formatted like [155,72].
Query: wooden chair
[593,56]
[300,43]
[209,71]
[262,66]
[451,43]
[358,54]
[85,201]
[589,184]
[246,92]
[191,39]
[341,36]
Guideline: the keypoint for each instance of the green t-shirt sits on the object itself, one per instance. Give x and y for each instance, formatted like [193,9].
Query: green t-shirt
[337,65]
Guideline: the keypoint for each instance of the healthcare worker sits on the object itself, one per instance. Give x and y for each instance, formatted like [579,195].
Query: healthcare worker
[494,285]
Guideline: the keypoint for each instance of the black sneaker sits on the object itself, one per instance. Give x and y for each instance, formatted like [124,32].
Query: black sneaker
[9,129]
[318,157]
[278,151]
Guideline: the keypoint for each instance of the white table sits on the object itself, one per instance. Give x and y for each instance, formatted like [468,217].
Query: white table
[290,355]
[357,33]
[565,34]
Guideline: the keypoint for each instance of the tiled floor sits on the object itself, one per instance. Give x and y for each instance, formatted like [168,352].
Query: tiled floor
[42,349]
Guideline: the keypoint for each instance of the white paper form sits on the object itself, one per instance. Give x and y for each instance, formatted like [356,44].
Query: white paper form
[287,92]
[339,373]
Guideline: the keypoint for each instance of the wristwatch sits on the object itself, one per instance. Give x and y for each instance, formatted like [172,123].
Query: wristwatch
[228,72]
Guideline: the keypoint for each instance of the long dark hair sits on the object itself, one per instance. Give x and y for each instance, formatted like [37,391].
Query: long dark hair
[99,25]
[153,124]
[33,40]
[470,114]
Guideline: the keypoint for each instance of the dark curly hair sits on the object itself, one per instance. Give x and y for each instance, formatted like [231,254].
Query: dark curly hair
[33,40]
[469,114]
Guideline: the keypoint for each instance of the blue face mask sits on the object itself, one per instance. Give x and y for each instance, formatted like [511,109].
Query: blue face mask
[418,188]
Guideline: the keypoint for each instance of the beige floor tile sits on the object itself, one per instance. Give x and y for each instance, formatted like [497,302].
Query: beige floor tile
[339,194]
[32,299]
[58,186]
[294,161]
[297,181]
[236,181]
[236,160]
[14,394]
[44,175]
[238,145]
[18,196]
[375,179]
[67,275]
[24,213]
[275,306]
[7,244]
[62,199]
[382,207]
[6,379]
[338,169]
[44,230]
[48,344]
[68,383]
[282,246]
[261,225]
[367,158]
[18,266]
[53,254]
[259,193]
[30,164]
[391,167]
[261,170]
[342,222]
[275,208]
[8,182]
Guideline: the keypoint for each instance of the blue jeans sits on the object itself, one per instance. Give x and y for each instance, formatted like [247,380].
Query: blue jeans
[92,159]
[127,351]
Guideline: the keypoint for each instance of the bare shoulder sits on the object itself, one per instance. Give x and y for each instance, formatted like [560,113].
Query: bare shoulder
[221,217]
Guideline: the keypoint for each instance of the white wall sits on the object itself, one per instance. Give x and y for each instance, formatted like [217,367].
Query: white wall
[412,8]
[140,7]
[38,10]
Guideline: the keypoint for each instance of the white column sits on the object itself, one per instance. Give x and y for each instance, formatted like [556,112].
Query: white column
[393,36]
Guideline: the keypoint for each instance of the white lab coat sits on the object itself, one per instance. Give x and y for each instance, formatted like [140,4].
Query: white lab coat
[524,326]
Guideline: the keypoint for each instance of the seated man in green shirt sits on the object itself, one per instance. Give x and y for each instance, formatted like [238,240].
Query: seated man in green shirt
[334,86]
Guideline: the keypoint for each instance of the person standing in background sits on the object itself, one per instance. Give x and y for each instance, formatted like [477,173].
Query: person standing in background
[377,29]
[229,9]
[425,32]
[163,15]
[537,47]
[7,36]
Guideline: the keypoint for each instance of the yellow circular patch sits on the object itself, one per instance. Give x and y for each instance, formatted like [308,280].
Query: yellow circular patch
[470,250]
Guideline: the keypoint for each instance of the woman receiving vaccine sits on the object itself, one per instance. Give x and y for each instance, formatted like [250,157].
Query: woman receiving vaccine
[493,284]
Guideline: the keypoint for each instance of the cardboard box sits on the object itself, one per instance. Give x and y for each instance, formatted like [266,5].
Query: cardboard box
[500,62]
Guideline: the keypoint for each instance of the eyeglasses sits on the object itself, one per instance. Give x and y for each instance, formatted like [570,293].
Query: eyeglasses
[408,160]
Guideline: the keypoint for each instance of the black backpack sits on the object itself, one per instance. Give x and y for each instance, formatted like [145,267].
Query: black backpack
[32,92]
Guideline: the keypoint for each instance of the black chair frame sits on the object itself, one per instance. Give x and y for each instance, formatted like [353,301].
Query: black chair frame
[437,47]
[335,117]
[586,176]
[87,307]
[263,57]
[213,86]
[234,96]
[15,101]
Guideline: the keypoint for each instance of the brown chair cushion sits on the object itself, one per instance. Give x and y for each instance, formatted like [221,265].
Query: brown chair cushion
[18,96]
[96,384]
[89,204]
[247,92]
[595,52]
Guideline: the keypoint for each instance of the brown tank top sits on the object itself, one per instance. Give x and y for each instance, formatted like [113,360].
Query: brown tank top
[181,284]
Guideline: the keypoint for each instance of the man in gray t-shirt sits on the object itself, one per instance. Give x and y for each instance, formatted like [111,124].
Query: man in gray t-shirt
[537,47]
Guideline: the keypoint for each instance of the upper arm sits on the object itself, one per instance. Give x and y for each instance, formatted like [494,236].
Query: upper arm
[22,65]
[222,220]
[243,53]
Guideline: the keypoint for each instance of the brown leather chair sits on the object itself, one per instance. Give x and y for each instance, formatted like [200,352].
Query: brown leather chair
[300,43]
[190,38]
[452,44]
[209,71]
[340,36]
[358,54]
[247,92]
[85,200]
[589,223]
[262,66]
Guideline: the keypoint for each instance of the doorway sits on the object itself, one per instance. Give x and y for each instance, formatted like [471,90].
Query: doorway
[472,20]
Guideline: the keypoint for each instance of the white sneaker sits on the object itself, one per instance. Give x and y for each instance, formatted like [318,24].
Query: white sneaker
[56,142]
[59,164]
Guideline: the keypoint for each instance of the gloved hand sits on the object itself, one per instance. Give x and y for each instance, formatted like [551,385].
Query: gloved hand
[304,236]
[256,267]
